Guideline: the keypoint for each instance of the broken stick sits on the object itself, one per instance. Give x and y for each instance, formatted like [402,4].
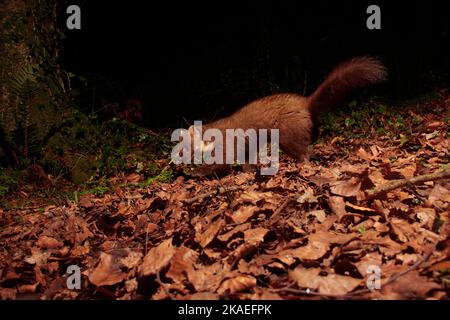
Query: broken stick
[394,184]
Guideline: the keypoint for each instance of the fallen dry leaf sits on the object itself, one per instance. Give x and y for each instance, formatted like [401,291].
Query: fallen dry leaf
[255,236]
[8,293]
[207,278]
[28,288]
[410,286]
[49,243]
[107,272]
[439,193]
[131,260]
[348,188]
[243,214]
[157,258]
[239,228]
[307,196]
[237,284]
[319,214]
[337,205]
[332,284]
[182,263]
[205,237]
[370,259]
[37,257]
[204,296]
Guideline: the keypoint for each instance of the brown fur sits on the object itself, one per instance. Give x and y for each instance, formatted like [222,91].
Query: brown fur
[295,115]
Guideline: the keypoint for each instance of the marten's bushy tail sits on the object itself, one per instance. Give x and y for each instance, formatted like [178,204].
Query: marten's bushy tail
[355,73]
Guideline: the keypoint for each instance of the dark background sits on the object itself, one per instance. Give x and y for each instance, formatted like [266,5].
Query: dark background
[191,60]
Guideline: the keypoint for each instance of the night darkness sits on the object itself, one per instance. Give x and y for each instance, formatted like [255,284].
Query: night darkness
[199,60]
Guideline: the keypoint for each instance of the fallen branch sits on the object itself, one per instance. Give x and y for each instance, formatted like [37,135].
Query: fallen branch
[394,184]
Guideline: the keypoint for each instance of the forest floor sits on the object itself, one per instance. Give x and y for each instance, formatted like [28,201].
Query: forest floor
[350,223]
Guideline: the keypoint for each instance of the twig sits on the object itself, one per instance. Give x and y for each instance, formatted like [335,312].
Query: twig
[411,268]
[218,191]
[394,184]
[226,190]
[277,214]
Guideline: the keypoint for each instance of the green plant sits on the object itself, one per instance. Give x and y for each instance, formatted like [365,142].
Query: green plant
[99,190]
[164,176]
[8,181]
[36,96]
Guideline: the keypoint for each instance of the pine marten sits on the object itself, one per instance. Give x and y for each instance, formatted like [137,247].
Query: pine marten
[294,115]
